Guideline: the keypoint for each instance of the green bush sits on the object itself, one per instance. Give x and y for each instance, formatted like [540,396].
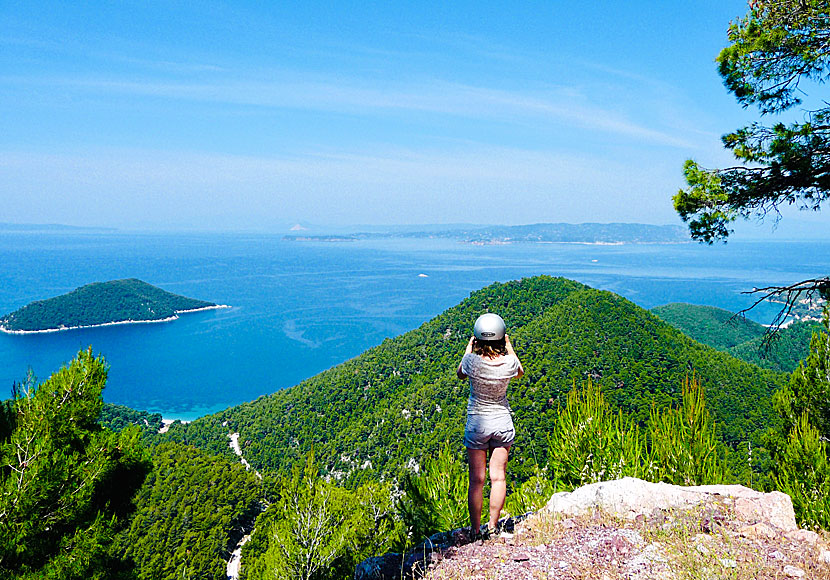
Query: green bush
[803,473]
[319,531]
[590,442]
[684,446]
[530,496]
[435,500]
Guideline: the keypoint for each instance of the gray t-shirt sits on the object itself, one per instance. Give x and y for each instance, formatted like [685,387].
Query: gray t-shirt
[488,382]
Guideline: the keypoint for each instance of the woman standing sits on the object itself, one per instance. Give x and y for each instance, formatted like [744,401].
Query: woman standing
[489,362]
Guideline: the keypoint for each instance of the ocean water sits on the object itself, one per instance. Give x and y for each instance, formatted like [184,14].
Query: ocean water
[301,307]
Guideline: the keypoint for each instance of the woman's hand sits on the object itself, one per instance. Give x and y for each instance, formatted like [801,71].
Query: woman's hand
[508,346]
[470,345]
[460,373]
[510,350]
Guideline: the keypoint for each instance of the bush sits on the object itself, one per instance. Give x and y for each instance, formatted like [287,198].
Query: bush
[684,446]
[591,443]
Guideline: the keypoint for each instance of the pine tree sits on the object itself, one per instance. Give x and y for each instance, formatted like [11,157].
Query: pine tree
[803,465]
[66,484]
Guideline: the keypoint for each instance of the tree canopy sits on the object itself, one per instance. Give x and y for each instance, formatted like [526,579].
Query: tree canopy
[776,51]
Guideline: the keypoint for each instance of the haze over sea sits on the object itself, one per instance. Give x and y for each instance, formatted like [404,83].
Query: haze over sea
[301,307]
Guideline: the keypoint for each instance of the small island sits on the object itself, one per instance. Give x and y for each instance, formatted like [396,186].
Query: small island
[101,304]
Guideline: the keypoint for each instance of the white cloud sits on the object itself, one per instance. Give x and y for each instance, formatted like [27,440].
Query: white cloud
[559,106]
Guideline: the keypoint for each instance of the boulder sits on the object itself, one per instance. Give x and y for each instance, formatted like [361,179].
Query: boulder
[630,497]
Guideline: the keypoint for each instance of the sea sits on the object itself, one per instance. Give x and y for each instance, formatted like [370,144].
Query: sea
[298,308]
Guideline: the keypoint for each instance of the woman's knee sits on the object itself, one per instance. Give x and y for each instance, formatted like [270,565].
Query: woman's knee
[497,476]
[476,478]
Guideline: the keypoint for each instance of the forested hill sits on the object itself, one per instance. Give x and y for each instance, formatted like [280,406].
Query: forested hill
[740,337]
[100,303]
[399,401]
[716,327]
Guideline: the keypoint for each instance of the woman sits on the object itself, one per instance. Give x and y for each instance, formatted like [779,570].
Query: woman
[489,362]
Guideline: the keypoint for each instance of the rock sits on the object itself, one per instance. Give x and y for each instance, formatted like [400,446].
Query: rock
[728,563]
[824,556]
[759,530]
[805,536]
[521,557]
[379,567]
[629,497]
[793,572]
[773,507]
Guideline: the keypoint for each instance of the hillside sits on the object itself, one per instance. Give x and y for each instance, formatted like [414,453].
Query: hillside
[741,337]
[399,401]
[786,348]
[128,300]
[716,327]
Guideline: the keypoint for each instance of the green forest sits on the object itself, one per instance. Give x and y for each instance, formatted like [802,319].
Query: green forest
[370,451]
[100,303]
[741,337]
[401,400]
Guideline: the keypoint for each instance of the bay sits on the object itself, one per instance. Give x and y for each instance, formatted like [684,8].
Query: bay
[301,307]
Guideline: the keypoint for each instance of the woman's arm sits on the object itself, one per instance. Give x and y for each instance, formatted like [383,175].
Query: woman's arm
[460,373]
[510,350]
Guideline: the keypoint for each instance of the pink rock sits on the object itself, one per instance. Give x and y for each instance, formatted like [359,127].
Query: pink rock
[629,497]
[759,530]
[805,536]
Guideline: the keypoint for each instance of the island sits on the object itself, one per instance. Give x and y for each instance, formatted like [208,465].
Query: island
[101,304]
[551,233]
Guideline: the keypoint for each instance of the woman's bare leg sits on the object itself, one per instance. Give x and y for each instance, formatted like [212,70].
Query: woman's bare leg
[477,459]
[498,483]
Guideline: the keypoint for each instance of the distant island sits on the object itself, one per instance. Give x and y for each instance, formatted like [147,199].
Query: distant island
[588,233]
[6,227]
[100,304]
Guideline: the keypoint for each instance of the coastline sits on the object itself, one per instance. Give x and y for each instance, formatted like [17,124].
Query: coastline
[168,319]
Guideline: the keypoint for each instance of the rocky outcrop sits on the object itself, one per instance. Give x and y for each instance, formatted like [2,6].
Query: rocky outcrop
[414,562]
[630,497]
[629,528]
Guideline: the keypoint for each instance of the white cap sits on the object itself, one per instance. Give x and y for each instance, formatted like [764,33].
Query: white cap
[489,327]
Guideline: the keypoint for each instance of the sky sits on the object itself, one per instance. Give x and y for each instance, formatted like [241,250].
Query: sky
[254,116]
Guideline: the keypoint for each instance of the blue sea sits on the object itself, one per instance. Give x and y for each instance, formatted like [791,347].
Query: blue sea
[301,307]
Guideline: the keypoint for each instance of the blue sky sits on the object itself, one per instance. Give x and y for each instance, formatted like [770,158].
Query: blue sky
[255,116]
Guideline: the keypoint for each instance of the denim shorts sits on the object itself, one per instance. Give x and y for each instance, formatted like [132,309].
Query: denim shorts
[488,432]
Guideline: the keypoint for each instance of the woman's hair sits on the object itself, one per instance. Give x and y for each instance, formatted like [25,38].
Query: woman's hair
[489,348]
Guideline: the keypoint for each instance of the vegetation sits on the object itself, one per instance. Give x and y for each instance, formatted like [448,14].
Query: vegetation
[800,445]
[189,514]
[317,530]
[435,499]
[400,401]
[783,351]
[100,303]
[119,417]
[775,51]
[716,327]
[67,483]
[592,442]
[740,337]
[367,456]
